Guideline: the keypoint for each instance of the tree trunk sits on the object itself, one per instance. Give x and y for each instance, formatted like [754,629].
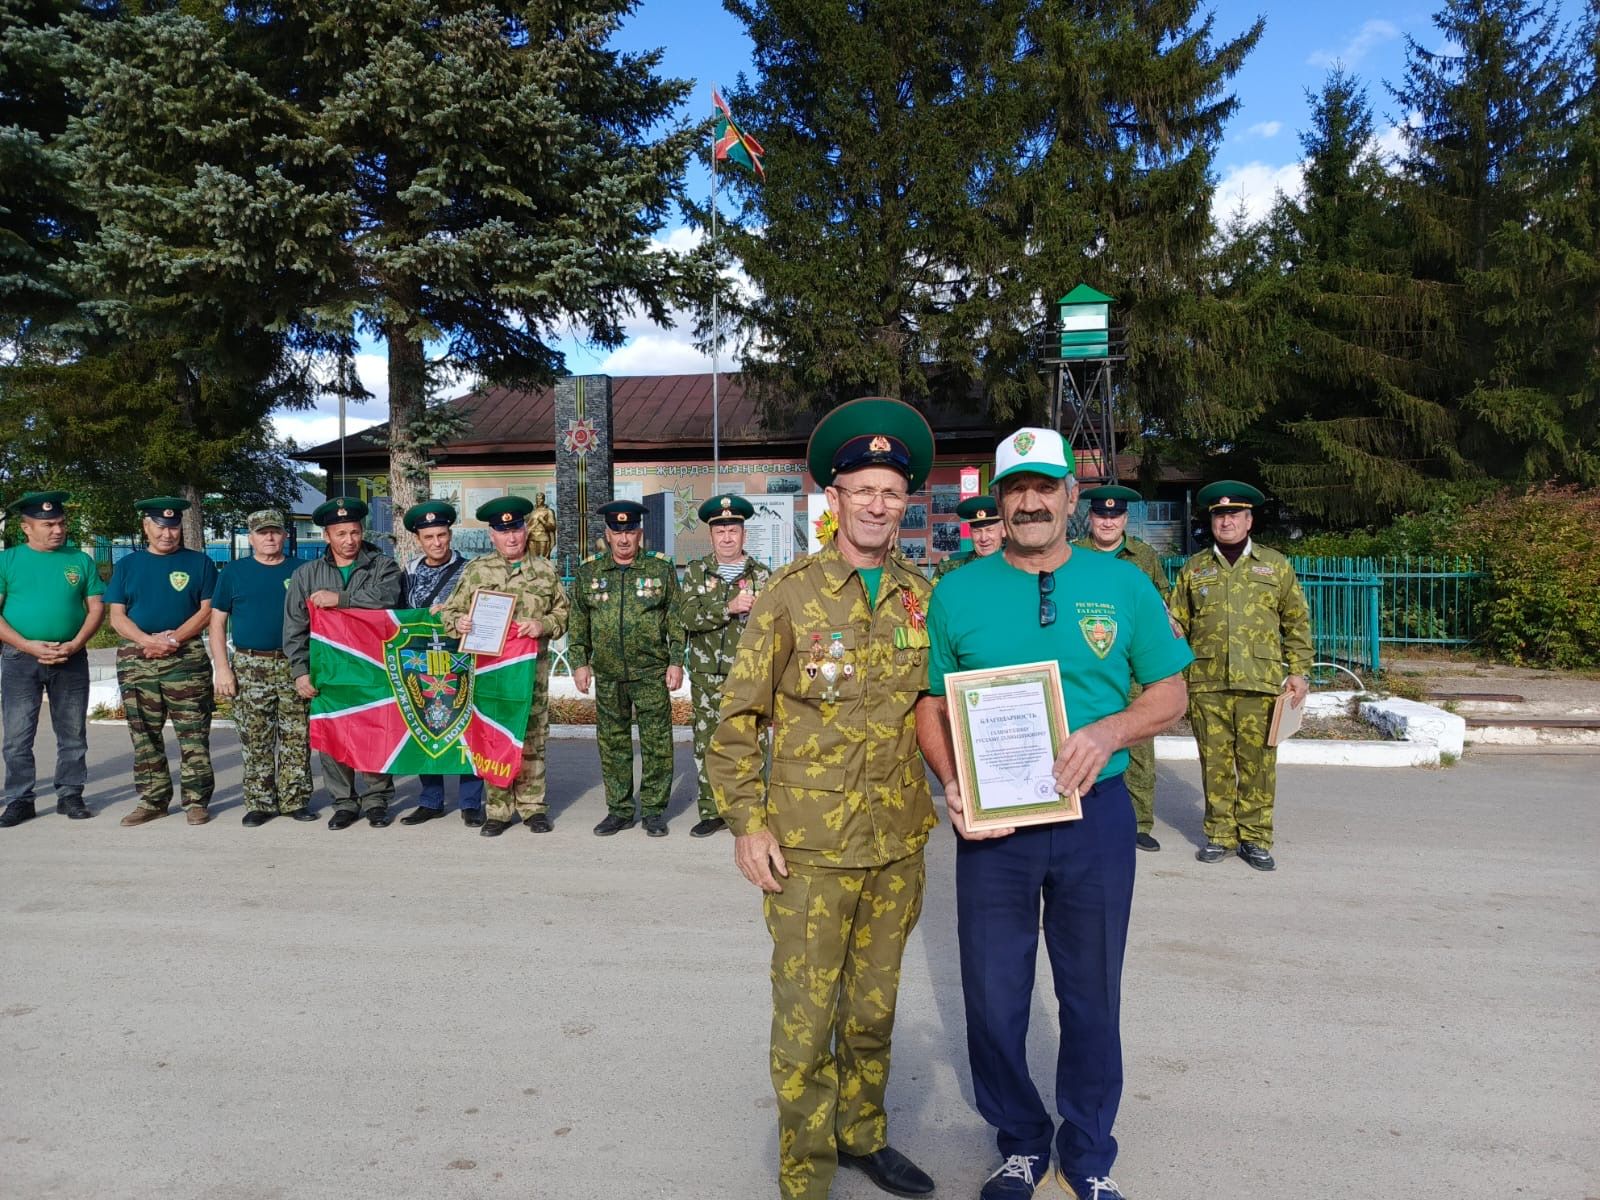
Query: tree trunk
[408,465]
[194,519]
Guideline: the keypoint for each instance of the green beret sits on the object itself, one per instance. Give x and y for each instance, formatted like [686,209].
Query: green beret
[505,513]
[431,514]
[871,432]
[979,511]
[339,511]
[726,507]
[48,505]
[1110,500]
[1229,494]
[623,515]
[163,510]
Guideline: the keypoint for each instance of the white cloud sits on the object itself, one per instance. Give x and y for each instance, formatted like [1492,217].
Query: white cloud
[1372,34]
[1255,186]
[314,427]
[1265,129]
[663,353]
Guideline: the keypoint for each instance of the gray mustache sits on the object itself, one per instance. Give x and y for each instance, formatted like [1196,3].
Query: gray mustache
[1042,517]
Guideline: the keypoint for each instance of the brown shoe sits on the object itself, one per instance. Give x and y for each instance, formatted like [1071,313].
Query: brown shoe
[141,814]
[198,814]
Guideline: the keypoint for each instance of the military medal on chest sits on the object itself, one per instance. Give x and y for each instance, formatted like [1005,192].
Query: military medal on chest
[814,663]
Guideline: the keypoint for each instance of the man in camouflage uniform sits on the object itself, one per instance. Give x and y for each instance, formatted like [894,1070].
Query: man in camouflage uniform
[1245,616]
[1108,534]
[621,641]
[541,612]
[160,601]
[982,515]
[713,605]
[833,661]
[274,720]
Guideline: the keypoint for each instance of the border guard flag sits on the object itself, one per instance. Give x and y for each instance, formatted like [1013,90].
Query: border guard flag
[734,144]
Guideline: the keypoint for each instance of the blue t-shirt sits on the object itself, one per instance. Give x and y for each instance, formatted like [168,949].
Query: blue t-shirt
[1110,627]
[162,591]
[253,594]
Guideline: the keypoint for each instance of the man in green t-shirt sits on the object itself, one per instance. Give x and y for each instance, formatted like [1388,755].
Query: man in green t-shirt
[1070,882]
[50,607]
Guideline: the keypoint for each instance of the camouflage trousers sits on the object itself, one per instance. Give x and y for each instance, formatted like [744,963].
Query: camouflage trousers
[837,939]
[1240,769]
[1140,777]
[274,734]
[706,695]
[154,689]
[617,704]
[525,796]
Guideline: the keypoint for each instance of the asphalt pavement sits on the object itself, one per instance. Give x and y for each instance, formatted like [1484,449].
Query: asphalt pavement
[1406,1008]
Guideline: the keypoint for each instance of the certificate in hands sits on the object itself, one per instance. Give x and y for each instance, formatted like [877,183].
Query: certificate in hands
[491,622]
[1008,725]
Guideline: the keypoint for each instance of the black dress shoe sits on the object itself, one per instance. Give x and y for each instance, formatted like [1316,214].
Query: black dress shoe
[254,818]
[1258,857]
[379,818]
[420,814]
[1145,842]
[301,814]
[494,828]
[73,808]
[891,1171]
[472,818]
[612,824]
[1211,852]
[707,827]
[343,818]
[16,813]
[655,824]
[539,822]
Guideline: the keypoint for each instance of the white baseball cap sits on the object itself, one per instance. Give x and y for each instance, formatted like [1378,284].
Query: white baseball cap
[1040,451]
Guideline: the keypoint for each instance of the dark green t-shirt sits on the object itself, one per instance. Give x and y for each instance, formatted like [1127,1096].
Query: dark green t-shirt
[1110,626]
[43,592]
[162,591]
[253,594]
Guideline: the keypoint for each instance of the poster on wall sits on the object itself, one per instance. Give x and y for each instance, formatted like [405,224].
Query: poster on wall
[477,497]
[769,535]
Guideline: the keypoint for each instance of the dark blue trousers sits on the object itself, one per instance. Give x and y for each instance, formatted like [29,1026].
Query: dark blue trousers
[1080,874]
[469,792]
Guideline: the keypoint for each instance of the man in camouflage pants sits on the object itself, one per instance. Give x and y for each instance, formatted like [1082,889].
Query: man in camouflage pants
[160,602]
[274,720]
[541,612]
[1108,534]
[713,605]
[1246,619]
[621,642]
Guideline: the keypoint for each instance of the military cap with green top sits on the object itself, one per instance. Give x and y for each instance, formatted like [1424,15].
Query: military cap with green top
[1227,495]
[874,431]
[623,515]
[264,518]
[979,511]
[44,505]
[505,513]
[339,511]
[726,507]
[430,514]
[1110,499]
[165,511]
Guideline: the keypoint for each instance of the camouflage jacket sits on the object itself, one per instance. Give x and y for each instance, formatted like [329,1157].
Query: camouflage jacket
[621,616]
[376,581]
[952,563]
[1243,622]
[701,618]
[1140,554]
[533,581]
[848,787]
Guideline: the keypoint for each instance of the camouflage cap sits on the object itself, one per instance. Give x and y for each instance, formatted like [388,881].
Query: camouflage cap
[264,518]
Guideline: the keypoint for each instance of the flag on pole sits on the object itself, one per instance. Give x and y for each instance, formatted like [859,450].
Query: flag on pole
[734,144]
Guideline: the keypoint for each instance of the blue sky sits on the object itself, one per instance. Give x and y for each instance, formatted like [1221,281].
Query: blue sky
[1259,155]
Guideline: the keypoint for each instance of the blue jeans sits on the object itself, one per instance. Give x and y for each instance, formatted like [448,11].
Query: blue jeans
[24,681]
[469,793]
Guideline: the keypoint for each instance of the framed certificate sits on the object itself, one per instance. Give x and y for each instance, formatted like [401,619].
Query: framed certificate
[490,615]
[1008,725]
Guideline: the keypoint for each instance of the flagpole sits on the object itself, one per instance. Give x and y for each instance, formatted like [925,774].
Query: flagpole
[716,325]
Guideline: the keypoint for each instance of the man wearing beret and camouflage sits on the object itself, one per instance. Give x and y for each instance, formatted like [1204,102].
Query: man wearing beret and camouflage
[621,641]
[1108,534]
[50,606]
[160,600]
[274,720]
[833,660]
[982,515]
[540,612]
[350,573]
[429,580]
[1247,622]
[713,605]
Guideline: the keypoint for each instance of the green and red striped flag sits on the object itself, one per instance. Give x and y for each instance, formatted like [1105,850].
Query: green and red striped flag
[395,696]
[734,144]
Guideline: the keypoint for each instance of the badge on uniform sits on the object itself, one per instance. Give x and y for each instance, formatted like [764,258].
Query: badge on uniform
[1100,633]
[1262,570]
[179,580]
[74,577]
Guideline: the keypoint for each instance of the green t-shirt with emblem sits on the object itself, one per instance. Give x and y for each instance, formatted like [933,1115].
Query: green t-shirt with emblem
[162,591]
[253,593]
[43,592]
[1110,625]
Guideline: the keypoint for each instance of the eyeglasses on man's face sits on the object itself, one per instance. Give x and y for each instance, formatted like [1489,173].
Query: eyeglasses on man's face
[868,496]
[1047,606]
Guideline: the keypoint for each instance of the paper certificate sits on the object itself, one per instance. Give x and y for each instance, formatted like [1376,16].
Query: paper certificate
[1008,725]
[491,622]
